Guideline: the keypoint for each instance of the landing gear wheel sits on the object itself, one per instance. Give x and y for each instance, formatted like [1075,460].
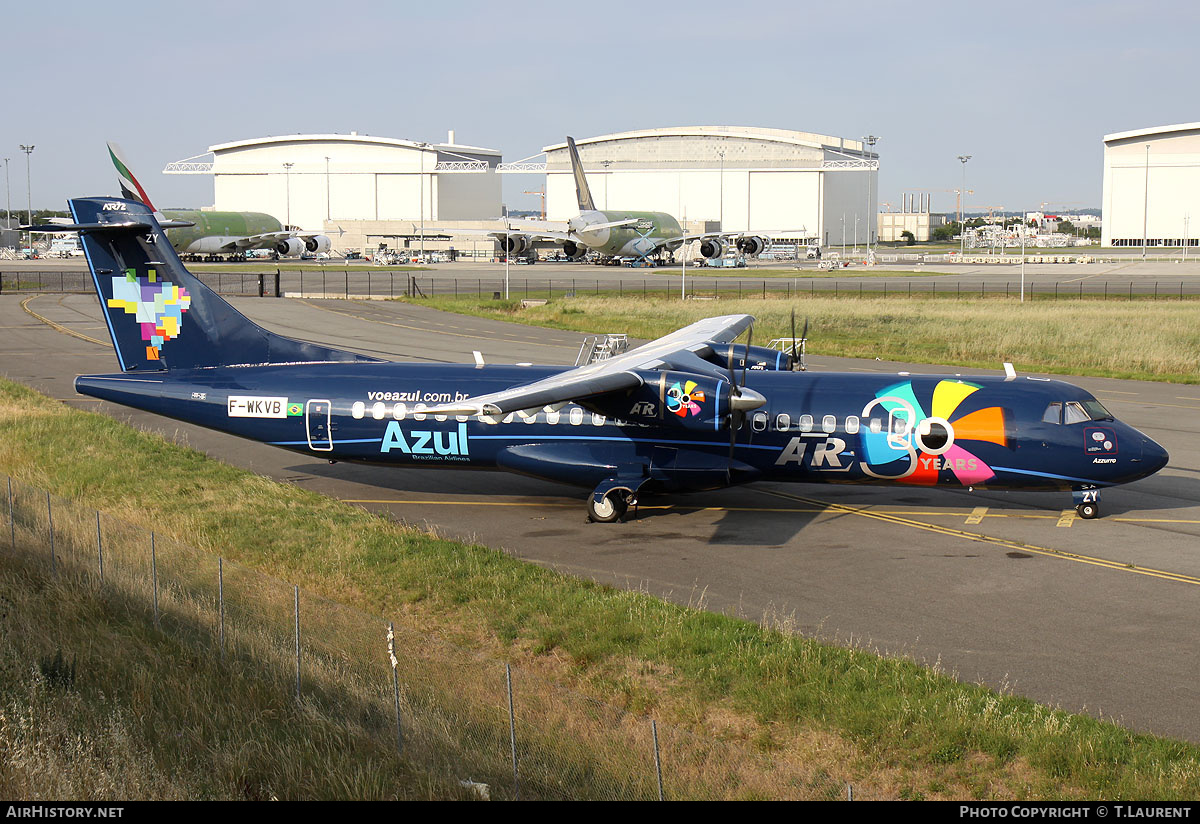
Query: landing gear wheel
[1088,511]
[611,509]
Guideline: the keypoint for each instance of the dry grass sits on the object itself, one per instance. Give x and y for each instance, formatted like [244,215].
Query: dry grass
[1141,339]
[755,711]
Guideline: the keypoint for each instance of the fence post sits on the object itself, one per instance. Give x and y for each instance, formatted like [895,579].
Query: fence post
[50,519]
[391,642]
[99,546]
[12,520]
[296,594]
[221,604]
[154,577]
[512,730]
[657,758]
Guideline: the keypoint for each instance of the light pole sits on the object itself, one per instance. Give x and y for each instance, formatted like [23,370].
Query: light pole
[721,207]
[8,197]
[873,220]
[1145,205]
[962,208]
[29,193]
[605,164]
[421,183]
[287,176]
[1024,230]
[328,208]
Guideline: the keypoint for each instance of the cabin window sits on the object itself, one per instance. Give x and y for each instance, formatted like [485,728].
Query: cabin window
[419,412]
[852,425]
[1053,413]
[358,410]
[782,422]
[759,421]
[597,420]
[552,416]
[806,423]
[828,424]
[876,425]
[399,411]
[576,415]
[377,410]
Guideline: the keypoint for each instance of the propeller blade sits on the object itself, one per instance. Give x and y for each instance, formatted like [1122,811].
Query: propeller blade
[746,360]
[794,363]
[734,389]
[804,347]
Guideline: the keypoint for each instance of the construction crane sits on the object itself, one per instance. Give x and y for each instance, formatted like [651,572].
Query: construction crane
[541,192]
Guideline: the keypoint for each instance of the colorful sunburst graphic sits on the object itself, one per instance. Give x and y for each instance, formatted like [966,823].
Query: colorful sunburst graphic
[685,400]
[157,305]
[983,425]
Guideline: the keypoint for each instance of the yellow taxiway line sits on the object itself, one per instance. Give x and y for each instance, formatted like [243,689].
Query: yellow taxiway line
[58,326]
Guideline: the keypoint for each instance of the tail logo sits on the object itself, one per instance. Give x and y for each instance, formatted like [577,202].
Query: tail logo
[158,306]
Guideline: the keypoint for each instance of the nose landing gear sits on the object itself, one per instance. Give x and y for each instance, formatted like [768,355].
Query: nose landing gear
[1087,503]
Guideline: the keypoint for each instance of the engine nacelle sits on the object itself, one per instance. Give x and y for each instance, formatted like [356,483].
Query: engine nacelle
[712,247]
[515,244]
[574,250]
[317,243]
[759,358]
[752,245]
[291,247]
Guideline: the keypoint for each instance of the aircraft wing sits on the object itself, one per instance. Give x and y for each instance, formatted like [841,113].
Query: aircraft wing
[267,239]
[680,350]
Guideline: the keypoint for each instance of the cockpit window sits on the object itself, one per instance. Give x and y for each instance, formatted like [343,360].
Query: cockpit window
[1096,411]
[1073,412]
[1053,413]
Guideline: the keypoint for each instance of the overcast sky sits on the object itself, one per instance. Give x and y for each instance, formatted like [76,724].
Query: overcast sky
[1027,89]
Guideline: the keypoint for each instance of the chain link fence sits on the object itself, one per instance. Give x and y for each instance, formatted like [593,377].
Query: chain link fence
[367,283]
[509,732]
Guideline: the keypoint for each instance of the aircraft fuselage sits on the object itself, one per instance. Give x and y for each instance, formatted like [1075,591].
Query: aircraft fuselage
[636,240]
[928,430]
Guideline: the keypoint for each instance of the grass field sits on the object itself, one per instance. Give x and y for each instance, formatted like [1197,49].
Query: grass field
[1140,339]
[890,727]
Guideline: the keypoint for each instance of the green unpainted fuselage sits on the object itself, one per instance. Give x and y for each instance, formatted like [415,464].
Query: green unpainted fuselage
[224,226]
[652,231]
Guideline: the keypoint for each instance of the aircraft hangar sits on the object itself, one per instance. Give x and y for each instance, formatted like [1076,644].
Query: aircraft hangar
[1152,187]
[732,177]
[310,180]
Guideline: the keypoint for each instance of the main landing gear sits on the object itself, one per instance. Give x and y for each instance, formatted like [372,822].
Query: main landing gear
[611,500]
[612,507]
[1087,503]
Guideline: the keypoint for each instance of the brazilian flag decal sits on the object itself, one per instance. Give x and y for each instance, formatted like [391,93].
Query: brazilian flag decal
[295,410]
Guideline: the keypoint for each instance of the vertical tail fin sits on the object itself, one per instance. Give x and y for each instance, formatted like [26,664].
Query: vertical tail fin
[131,189]
[161,316]
[586,204]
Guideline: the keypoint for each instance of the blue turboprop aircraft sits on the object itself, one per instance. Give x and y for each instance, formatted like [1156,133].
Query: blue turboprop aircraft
[670,416]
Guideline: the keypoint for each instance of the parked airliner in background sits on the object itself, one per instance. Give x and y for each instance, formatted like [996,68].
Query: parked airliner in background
[670,416]
[210,235]
[620,233]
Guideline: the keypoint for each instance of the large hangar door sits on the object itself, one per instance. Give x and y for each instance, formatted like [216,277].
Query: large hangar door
[785,200]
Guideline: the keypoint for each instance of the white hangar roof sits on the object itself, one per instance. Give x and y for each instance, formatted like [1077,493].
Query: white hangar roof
[1157,131]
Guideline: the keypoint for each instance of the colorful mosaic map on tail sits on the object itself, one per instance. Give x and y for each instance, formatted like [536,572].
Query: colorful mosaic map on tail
[157,305]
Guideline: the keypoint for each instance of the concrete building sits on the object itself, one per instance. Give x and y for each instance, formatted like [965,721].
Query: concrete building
[316,181]
[1152,187]
[735,177]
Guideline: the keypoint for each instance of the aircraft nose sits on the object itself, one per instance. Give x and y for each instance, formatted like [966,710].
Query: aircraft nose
[1154,457]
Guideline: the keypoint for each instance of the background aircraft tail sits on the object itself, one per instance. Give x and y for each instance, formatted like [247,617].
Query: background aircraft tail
[586,204]
[159,314]
[130,188]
